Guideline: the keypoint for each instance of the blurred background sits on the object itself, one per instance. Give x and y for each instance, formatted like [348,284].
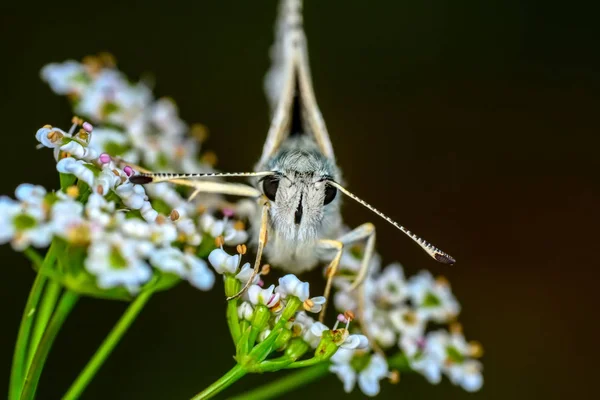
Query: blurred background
[473,123]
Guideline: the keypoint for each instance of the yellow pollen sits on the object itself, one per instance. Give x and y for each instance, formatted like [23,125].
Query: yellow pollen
[219,241]
[394,376]
[308,304]
[107,59]
[201,209]
[73,191]
[410,317]
[456,328]
[209,158]
[99,189]
[47,126]
[441,280]
[114,171]
[349,315]
[188,250]
[475,349]
[174,215]
[239,225]
[265,269]
[76,120]
[241,248]
[181,237]
[160,219]
[199,132]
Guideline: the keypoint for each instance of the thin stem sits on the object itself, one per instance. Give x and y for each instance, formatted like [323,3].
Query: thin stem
[226,380]
[20,354]
[51,293]
[108,345]
[65,305]
[233,320]
[287,383]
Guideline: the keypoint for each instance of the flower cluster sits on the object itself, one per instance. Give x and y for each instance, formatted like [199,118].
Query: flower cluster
[280,314]
[118,235]
[396,313]
[132,125]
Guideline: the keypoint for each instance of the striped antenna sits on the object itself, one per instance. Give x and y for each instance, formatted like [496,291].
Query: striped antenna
[144,178]
[433,251]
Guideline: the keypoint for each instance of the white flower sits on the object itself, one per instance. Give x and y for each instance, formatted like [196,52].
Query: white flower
[99,210]
[433,297]
[79,168]
[186,266]
[315,304]
[245,274]
[355,341]
[368,377]
[133,196]
[50,137]
[407,321]
[223,262]
[263,335]
[267,297]
[234,236]
[110,141]
[291,285]
[451,354]
[77,150]
[466,375]
[199,275]
[23,226]
[169,259]
[187,227]
[245,311]
[116,261]
[65,78]
[391,285]
[314,332]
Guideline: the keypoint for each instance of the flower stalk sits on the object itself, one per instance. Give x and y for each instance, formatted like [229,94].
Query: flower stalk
[107,346]
[64,307]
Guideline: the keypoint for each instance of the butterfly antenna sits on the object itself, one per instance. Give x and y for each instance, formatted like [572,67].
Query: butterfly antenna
[433,251]
[145,178]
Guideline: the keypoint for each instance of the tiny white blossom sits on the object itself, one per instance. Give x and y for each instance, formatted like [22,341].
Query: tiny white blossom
[79,168]
[223,262]
[316,304]
[267,297]
[50,137]
[77,150]
[133,196]
[291,285]
[245,274]
[368,377]
[433,297]
[23,226]
[65,78]
[263,335]
[408,321]
[245,311]
[116,261]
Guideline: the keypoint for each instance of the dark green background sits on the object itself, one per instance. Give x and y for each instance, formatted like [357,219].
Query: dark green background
[473,123]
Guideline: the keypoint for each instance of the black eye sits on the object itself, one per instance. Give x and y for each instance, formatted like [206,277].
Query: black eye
[330,193]
[270,185]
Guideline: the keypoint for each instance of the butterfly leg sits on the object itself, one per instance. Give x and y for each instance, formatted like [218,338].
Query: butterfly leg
[360,233]
[262,241]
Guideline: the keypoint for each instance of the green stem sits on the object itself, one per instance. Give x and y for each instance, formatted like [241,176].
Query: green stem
[20,354]
[233,320]
[226,380]
[51,293]
[65,305]
[108,345]
[287,383]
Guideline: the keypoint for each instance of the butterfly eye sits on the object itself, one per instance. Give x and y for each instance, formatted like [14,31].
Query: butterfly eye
[270,185]
[330,193]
